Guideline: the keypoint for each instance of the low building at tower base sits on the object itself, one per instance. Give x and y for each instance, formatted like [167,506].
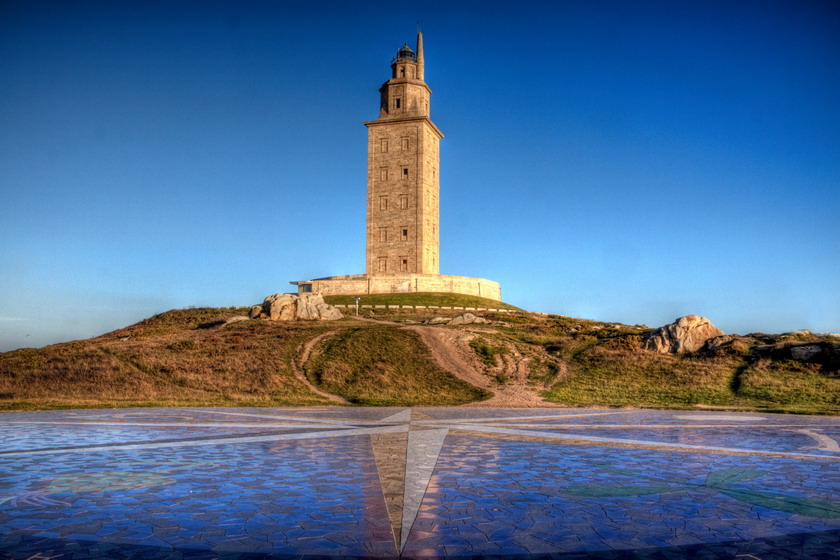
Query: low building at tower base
[400,283]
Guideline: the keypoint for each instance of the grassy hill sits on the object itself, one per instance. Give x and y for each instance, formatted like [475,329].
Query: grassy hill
[192,358]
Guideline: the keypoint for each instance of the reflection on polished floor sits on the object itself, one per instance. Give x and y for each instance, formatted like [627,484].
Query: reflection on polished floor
[420,482]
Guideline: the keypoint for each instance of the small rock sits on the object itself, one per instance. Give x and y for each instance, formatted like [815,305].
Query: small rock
[327,312]
[806,352]
[437,321]
[236,319]
[467,319]
[726,344]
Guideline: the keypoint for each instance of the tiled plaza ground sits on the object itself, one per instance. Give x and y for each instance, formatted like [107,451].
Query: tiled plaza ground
[422,482]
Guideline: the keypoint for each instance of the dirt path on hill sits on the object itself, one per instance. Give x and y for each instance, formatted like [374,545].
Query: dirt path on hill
[302,356]
[450,349]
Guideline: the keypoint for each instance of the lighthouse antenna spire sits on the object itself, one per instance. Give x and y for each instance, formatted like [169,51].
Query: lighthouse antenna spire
[420,65]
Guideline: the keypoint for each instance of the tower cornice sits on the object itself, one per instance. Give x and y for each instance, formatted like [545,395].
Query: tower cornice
[427,120]
[399,81]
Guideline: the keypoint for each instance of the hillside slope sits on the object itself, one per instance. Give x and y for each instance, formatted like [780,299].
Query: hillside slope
[192,358]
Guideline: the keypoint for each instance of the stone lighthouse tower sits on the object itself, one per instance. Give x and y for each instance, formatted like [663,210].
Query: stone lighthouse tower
[403,204]
[403,214]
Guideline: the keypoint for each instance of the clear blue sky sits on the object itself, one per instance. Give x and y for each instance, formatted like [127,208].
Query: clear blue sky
[620,161]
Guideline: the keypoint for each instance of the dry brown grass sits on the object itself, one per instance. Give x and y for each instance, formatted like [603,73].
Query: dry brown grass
[163,363]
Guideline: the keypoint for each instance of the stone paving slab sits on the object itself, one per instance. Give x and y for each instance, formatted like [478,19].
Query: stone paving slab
[418,483]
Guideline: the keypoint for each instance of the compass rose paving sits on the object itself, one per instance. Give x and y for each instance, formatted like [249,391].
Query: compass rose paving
[417,483]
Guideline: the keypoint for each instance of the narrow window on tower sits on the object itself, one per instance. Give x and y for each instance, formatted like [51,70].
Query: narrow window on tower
[384,145]
[405,173]
[403,201]
[397,103]
[404,142]
[383,173]
[403,264]
[404,234]
[383,264]
[383,235]
[383,202]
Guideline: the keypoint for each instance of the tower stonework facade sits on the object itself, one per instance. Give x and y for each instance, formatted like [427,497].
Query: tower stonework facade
[403,187]
[403,216]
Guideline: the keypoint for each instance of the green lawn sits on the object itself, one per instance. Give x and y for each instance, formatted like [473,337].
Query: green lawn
[420,298]
[387,366]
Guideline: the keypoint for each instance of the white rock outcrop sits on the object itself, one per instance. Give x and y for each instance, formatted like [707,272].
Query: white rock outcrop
[462,319]
[686,334]
[290,307]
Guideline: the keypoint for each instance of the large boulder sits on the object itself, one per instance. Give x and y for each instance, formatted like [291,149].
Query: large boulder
[288,307]
[686,334]
[280,307]
[312,307]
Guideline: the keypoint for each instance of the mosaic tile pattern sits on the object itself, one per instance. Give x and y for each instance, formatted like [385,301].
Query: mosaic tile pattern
[418,483]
